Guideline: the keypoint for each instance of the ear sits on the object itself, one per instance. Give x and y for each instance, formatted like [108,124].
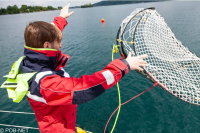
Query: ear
[47,45]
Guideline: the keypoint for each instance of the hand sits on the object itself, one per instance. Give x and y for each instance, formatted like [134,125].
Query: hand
[64,12]
[136,62]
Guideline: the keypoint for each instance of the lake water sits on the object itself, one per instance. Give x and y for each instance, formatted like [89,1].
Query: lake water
[89,43]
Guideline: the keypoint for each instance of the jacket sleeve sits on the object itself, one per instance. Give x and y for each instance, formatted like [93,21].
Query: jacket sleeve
[57,90]
[60,22]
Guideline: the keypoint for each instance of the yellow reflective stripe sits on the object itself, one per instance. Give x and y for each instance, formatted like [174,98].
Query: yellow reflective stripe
[40,48]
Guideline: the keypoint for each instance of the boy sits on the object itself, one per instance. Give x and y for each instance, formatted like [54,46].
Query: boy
[53,95]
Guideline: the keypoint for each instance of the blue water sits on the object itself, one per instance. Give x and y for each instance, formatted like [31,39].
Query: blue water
[89,43]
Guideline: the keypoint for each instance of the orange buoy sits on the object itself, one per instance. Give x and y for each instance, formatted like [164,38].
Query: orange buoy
[102,20]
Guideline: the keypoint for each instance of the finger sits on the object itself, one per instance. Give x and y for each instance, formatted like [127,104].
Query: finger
[139,69]
[143,65]
[143,62]
[70,13]
[143,56]
[68,5]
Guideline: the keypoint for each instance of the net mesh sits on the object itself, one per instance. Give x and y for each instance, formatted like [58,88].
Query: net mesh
[176,69]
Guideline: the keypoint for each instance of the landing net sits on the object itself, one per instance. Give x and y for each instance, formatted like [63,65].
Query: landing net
[172,65]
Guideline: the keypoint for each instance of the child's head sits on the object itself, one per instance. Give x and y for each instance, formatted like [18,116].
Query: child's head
[41,34]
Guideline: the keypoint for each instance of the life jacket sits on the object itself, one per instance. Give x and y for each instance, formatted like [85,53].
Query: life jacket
[17,83]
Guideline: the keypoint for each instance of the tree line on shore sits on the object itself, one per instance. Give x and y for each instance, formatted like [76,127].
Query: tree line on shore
[25,9]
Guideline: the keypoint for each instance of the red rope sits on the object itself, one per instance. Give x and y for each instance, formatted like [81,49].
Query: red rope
[155,84]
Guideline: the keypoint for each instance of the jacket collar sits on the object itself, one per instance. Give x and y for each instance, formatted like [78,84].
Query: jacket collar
[42,59]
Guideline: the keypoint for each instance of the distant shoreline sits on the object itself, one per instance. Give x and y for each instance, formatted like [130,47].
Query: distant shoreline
[108,3]
[30,9]
[25,9]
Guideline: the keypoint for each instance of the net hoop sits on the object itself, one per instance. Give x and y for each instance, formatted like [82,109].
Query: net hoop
[172,65]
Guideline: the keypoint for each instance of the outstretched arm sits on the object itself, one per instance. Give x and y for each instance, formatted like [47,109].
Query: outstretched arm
[58,90]
[60,21]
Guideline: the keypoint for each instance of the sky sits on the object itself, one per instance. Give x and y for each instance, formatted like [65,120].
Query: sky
[54,3]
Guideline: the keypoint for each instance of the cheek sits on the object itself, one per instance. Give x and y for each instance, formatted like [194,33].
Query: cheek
[58,46]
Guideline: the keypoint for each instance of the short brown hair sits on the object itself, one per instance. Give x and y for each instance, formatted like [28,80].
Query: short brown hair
[39,32]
